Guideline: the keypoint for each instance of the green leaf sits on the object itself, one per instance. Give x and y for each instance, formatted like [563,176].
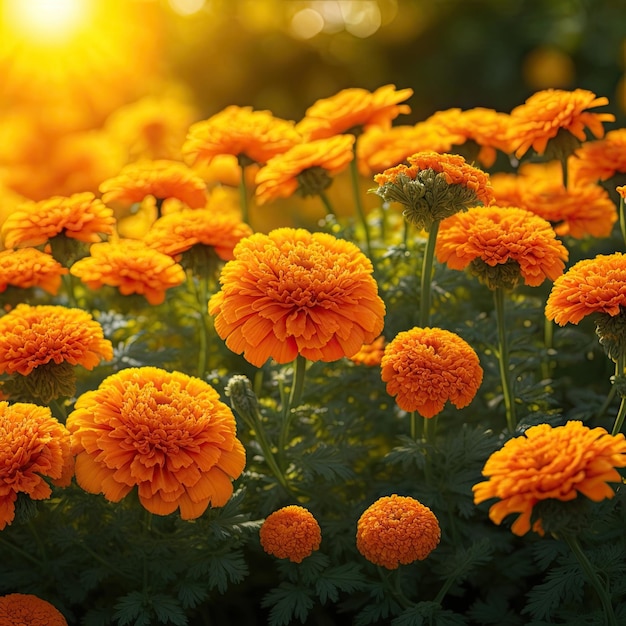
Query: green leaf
[325,461]
[288,601]
[428,614]
[128,608]
[344,578]
[563,584]
[191,594]
[168,610]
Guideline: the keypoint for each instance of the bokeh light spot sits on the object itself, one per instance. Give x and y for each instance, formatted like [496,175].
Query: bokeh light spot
[187,7]
[306,24]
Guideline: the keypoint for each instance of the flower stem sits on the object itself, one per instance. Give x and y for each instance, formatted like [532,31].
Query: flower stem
[354,174]
[548,333]
[416,425]
[503,359]
[427,270]
[593,578]
[243,195]
[294,397]
[327,204]
[622,218]
[621,413]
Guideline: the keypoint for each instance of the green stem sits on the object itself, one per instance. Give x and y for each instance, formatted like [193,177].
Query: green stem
[427,270]
[416,425]
[564,170]
[327,204]
[22,553]
[354,175]
[431,430]
[548,337]
[294,397]
[203,352]
[619,372]
[622,218]
[503,359]
[593,578]
[243,195]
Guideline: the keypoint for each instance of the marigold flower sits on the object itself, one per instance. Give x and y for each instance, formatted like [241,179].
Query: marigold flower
[292,293]
[426,367]
[621,191]
[353,109]
[501,245]
[29,267]
[33,446]
[132,266]
[397,530]
[600,159]
[20,609]
[80,216]
[252,136]
[370,353]
[537,121]
[550,463]
[162,179]
[434,186]
[290,533]
[307,168]
[168,434]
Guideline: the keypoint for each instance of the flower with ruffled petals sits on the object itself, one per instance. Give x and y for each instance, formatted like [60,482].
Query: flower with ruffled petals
[426,367]
[29,267]
[34,447]
[292,292]
[397,530]
[22,609]
[132,266]
[600,159]
[501,245]
[307,168]
[370,354]
[552,112]
[290,533]
[165,433]
[549,463]
[80,216]
[352,110]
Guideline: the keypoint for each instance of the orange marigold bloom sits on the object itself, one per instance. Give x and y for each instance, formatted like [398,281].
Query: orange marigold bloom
[621,191]
[426,367]
[353,109]
[166,433]
[252,136]
[397,530]
[176,233]
[32,336]
[80,216]
[537,121]
[601,159]
[33,446]
[290,533]
[504,238]
[550,463]
[132,266]
[292,293]
[162,179]
[22,609]
[29,267]
[370,353]
[307,168]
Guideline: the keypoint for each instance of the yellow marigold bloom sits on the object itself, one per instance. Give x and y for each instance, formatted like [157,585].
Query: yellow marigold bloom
[370,354]
[33,336]
[550,463]
[162,179]
[290,533]
[176,233]
[132,266]
[501,245]
[352,110]
[22,609]
[80,216]
[601,159]
[252,136]
[34,446]
[292,293]
[397,530]
[537,121]
[307,168]
[29,267]
[165,433]
[426,367]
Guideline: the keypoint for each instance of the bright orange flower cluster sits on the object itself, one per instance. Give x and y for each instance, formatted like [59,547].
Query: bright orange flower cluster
[22,609]
[501,235]
[370,354]
[132,266]
[168,434]
[81,216]
[397,530]
[290,533]
[550,463]
[292,293]
[601,159]
[426,367]
[29,267]
[33,446]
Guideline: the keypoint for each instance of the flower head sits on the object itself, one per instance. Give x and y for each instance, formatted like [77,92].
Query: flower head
[426,367]
[550,463]
[353,109]
[34,446]
[294,292]
[601,159]
[80,216]
[501,245]
[20,609]
[132,266]
[29,267]
[397,530]
[370,353]
[168,434]
[290,533]
[307,168]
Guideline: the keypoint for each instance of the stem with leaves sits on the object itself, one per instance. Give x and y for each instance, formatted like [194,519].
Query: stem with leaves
[503,359]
